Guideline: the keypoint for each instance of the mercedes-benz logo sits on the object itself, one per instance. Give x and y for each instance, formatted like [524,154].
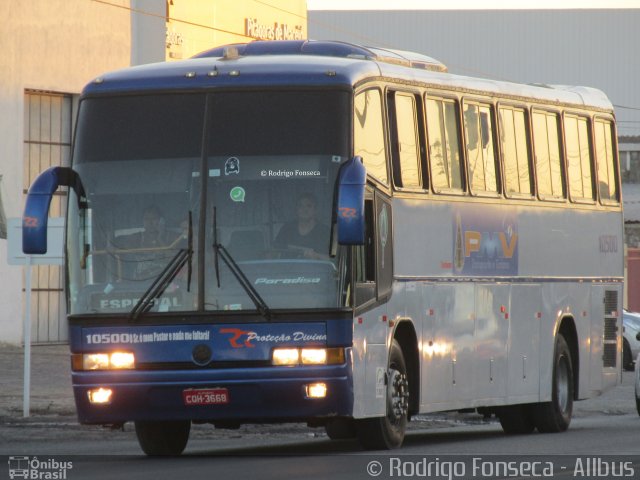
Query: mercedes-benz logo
[201,354]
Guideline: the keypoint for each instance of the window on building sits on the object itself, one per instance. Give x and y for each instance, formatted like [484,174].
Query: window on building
[47,143]
[481,158]
[546,143]
[578,146]
[368,133]
[630,166]
[515,151]
[443,129]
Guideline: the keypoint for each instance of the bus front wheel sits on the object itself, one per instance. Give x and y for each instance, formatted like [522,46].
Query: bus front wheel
[386,433]
[163,438]
[555,416]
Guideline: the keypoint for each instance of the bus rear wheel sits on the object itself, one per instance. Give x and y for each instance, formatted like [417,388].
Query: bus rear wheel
[163,438]
[386,433]
[555,416]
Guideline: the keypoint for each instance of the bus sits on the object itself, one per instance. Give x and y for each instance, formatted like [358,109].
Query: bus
[453,243]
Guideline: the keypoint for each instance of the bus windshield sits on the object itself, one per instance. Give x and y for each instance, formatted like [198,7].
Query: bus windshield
[269,164]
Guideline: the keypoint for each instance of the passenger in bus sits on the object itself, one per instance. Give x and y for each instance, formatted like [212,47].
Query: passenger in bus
[147,255]
[153,232]
[306,235]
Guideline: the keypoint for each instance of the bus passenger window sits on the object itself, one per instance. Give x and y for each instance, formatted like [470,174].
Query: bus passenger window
[368,134]
[607,185]
[515,151]
[546,144]
[365,260]
[579,162]
[406,153]
[480,151]
[444,146]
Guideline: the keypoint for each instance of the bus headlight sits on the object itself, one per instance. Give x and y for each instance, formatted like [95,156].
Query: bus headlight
[313,356]
[120,360]
[285,356]
[103,361]
[307,356]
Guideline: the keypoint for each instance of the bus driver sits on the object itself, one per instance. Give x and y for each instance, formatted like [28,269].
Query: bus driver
[306,234]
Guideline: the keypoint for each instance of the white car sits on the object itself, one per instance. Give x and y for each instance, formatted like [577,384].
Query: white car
[638,384]
[630,342]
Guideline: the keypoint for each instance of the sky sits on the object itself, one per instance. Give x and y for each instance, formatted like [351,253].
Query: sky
[466,4]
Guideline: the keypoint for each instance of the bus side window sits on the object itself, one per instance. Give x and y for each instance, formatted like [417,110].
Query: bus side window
[443,129]
[605,157]
[546,142]
[368,134]
[578,146]
[404,140]
[365,259]
[481,157]
[515,151]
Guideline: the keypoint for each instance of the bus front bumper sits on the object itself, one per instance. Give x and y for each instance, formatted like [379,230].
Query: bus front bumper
[250,395]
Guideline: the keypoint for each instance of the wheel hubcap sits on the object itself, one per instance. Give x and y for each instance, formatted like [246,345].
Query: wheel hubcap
[397,396]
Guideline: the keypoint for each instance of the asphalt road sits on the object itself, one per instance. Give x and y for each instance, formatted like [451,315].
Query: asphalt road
[606,425]
[293,455]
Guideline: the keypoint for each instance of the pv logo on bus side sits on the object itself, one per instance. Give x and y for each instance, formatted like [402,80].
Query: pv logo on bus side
[485,244]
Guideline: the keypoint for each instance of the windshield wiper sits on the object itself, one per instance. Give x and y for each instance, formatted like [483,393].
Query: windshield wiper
[244,282]
[190,251]
[162,281]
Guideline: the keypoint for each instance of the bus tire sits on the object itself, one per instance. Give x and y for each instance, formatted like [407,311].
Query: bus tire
[341,428]
[516,419]
[163,438]
[386,433]
[555,416]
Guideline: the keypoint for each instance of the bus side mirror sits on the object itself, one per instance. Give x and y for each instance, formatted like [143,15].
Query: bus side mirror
[352,179]
[36,209]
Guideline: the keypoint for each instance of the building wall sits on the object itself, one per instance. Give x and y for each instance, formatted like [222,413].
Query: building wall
[196,26]
[46,46]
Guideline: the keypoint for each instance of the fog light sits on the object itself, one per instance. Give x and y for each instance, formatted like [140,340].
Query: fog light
[100,396]
[316,390]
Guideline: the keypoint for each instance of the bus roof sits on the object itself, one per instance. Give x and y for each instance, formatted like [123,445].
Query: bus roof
[309,63]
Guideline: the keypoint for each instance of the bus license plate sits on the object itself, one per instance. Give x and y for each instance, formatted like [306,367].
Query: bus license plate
[206,396]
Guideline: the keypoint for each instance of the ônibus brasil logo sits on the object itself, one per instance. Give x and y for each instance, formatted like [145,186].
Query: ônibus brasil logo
[38,469]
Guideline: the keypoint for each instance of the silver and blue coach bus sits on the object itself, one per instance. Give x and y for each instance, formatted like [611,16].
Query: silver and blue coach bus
[451,243]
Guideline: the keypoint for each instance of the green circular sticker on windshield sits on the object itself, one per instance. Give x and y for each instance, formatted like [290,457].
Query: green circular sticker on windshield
[237,194]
